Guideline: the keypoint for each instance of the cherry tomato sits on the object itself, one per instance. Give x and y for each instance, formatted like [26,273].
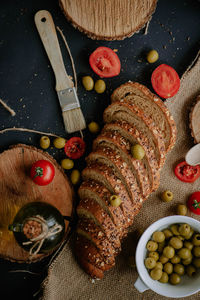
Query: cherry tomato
[105,62]
[187,173]
[42,172]
[194,203]
[165,81]
[75,147]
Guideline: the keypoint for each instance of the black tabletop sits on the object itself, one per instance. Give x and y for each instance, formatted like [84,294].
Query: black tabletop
[27,85]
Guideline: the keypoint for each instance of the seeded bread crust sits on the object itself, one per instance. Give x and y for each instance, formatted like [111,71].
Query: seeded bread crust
[90,209]
[135,88]
[116,141]
[194,120]
[136,137]
[119,111]
[97,237]
[106,173]
[101,194]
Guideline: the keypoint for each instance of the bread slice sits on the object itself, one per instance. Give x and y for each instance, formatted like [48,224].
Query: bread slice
[152,106]
[104,175]
[89,258]
[114,140]
[90,209]
[194,120]
[99,193]
[132,135]
[97,237]
[118,111]
[110,158]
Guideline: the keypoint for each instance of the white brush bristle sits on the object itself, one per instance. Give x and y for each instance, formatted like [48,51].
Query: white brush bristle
[74,120]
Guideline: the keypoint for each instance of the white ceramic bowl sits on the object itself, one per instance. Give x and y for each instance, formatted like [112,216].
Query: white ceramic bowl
[188,286]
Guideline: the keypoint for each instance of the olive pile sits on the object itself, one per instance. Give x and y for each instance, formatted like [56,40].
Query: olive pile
[173,252]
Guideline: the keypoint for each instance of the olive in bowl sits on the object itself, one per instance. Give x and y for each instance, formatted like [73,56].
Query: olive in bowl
[166,283]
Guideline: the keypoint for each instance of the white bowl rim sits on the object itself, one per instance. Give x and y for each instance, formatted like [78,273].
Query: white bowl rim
[140,250]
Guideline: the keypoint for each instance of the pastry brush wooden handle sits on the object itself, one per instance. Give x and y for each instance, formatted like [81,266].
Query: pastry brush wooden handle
[46,28]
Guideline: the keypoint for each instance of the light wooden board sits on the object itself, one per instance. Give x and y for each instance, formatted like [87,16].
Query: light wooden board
[108,19]
[17,189]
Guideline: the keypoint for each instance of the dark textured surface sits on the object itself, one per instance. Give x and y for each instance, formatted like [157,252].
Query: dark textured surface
[27,84]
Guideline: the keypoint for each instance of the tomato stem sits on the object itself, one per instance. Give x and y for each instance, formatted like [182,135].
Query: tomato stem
[38,172]
[196,204]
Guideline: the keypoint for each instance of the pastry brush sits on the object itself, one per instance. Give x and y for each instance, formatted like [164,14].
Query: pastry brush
[72,115]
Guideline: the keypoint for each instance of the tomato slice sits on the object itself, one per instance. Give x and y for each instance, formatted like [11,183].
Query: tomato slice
[75,147]
[105,62]
[165,81]
[194,203]
[187,173]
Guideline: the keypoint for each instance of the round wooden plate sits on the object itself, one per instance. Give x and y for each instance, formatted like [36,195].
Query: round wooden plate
[17,189]
[108,19]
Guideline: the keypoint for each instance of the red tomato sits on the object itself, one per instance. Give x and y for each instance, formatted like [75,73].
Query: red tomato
[75,147]
[105,62]
[42,172]
[187,173]
[165,81]
[194,203]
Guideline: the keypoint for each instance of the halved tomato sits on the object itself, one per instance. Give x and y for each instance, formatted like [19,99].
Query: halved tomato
[187,173]
[165,81]
[75,147]
[105,62]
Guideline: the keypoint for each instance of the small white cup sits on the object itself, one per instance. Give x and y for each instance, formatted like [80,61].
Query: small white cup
[188,286]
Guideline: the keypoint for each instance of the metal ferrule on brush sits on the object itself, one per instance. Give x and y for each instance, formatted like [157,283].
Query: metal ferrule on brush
[68,99]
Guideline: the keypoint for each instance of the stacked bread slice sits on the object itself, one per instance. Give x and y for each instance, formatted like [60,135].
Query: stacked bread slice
[135,116]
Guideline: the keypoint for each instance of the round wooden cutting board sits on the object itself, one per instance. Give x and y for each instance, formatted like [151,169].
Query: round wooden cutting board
[17,189]
[108,19]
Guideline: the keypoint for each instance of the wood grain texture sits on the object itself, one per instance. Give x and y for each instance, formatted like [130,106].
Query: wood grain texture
[108,19]
[17,189]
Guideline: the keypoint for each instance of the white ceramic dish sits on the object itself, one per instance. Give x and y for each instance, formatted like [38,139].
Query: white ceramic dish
[188,286]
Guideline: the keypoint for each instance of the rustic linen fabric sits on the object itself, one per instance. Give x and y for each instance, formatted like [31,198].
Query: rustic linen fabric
[66,280]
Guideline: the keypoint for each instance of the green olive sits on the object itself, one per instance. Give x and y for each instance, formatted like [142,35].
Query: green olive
[137,151]
[154,255]
[152,56]
[180,237]
[167,196]
[174,279]
[175,260]
[93,127]
[187,261]
[44,142]
[88,83]
[168,268]
[191,270]
[176,243]
[152,246]
[115,200]
[196,240]
[167,233]
[179,269]
[196,262]
[187,237]
[100,86]
[164,278]
[75,176]
[184,253]
[150,263]
[168,251]
[158,236]
[161,247]
[156,274]
[188,245]
[182,210]
[159,265]
[67,164]
[196,251]
[59,142]
[184,229]
[174,229]
[163,259]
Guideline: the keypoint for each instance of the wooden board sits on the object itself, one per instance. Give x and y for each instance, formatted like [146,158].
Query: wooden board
[108,19]
[17,189]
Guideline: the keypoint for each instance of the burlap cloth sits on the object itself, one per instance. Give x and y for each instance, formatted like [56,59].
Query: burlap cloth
[66,280]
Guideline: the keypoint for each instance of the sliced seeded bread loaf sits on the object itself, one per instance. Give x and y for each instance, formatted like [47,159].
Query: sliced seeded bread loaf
[98,192]
[118,111]
[114,140]
[153,107]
